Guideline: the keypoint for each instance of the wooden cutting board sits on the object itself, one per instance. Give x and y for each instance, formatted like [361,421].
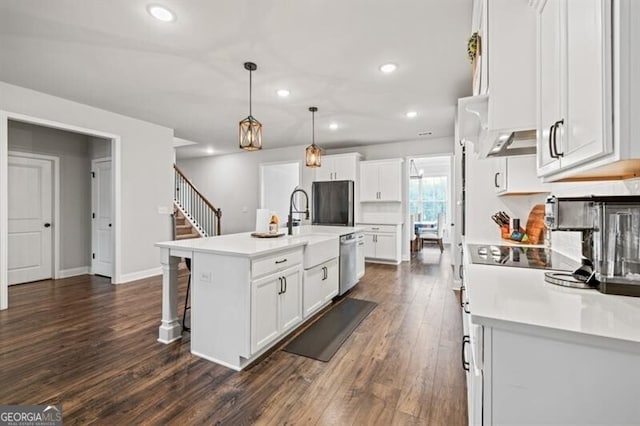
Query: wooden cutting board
[535,225]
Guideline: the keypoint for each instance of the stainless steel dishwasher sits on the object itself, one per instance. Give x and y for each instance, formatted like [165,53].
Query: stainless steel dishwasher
[348,259]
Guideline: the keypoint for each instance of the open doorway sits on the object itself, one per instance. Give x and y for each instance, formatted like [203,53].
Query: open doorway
[277,182]
[429,205]
[54,230]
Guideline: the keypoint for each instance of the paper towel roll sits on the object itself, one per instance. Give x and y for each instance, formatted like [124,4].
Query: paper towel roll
[263,217]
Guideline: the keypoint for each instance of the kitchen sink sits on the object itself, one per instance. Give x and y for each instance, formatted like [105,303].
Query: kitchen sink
[319,248]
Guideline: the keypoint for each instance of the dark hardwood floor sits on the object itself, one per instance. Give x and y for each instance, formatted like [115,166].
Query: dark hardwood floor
[91,347]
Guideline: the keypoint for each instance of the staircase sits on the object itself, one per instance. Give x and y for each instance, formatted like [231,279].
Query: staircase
[194,215]
[183,229]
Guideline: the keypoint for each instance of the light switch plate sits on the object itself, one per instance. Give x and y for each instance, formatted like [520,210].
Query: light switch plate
[164,210]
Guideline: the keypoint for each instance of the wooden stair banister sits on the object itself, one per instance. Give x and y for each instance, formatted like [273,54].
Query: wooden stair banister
[194,204]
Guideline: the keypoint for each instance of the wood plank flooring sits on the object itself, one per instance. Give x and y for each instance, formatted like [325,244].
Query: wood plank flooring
[91,346]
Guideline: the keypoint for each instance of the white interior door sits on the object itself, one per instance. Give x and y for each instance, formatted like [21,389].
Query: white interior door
[102,223]
[30,214]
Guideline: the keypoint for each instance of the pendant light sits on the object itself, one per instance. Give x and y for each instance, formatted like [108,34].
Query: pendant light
[313,153]
[250,128]
[413,171]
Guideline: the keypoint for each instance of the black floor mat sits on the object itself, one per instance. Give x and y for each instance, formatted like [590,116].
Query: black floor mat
[324,337]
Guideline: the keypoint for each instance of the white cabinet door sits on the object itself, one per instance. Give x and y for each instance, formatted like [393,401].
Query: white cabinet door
[386,246]
[291,299]
[500,175]
[325,171]
[549,59]
[588,53]
[312,295]
[390,181]
[369,185]
[330,283]
[360,255]
[370,246]
[344,168]
[264,312]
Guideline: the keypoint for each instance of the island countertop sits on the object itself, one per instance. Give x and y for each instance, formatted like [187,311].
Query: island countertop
[243,244]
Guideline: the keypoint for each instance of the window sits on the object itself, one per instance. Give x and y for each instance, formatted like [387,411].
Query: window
[428,197]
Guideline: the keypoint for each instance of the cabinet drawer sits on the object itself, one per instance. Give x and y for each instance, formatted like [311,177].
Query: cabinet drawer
[378,228]
[275,262]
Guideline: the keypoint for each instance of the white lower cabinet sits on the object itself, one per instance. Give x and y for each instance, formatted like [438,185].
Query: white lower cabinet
[382,243]
[320,286]
[517,377]
[276,306]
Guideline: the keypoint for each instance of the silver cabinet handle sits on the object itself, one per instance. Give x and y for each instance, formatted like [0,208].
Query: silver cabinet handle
[280,291]
[495,180]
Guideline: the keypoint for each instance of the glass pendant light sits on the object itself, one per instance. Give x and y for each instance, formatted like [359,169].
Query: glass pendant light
[250,128]
[313,152]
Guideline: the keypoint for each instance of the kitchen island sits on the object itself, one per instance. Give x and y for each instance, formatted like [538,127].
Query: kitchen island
[537,353]
[249,293]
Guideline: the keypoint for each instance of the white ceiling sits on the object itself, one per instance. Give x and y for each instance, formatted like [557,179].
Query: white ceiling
[188,74]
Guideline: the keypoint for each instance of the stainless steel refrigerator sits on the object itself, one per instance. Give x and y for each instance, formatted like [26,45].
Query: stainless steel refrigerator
[333,203]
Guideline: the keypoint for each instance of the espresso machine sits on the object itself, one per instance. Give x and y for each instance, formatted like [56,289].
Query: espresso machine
[610,229]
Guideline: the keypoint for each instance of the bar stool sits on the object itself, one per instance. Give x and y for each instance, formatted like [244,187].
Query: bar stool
[187,305]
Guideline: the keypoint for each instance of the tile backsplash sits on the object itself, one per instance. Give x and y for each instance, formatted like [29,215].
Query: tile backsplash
[569,243]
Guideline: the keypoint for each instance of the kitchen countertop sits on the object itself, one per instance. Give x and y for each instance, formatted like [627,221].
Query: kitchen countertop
[243,244]
[519,298]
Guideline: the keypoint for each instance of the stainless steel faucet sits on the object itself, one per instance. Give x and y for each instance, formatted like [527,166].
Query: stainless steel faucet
[291,211]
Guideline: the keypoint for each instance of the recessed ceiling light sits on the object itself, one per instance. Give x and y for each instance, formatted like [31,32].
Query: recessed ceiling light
[209,151]
[161,13]
[388,68]
[283,93]
[411,114]
[333,126]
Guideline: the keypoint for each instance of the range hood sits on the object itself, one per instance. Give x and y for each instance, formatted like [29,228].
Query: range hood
[473,116]
[519,142]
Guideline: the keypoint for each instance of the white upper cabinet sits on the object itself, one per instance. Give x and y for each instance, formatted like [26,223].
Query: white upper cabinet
[381,181]
[585,96]
[517,176]
[338,167]
[549,76]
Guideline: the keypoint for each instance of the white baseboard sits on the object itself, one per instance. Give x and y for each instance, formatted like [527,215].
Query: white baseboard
[73,272]
[134,276]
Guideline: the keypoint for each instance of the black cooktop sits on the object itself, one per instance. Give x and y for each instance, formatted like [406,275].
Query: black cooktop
[520,257]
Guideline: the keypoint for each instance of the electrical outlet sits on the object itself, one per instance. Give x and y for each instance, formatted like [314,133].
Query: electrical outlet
[244,209]
[205,277]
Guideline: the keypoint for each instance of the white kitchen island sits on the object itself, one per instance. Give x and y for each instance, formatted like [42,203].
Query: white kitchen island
[248,293]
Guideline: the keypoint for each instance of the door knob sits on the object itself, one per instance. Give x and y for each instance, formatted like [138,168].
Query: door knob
[47,225]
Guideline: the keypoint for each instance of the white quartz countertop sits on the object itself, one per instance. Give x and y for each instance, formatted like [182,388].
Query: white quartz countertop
[512,297]
[379,222]
[243,244]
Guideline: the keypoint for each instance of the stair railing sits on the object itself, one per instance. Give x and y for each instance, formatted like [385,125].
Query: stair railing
[202,213]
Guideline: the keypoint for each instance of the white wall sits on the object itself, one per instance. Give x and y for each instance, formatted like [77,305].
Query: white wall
[75,185]
[231,182]
[146,158]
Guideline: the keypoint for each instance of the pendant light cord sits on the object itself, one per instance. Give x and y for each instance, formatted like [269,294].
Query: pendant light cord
[250,72]
[313,128]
